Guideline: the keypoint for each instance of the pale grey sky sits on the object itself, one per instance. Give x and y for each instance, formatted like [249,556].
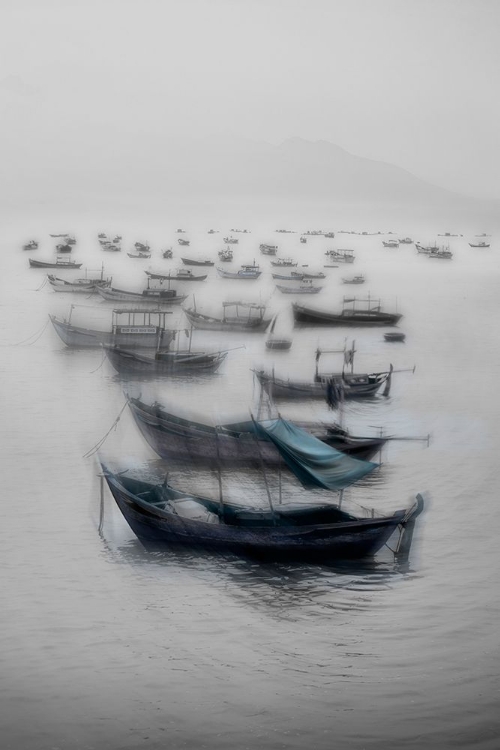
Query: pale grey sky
[411,82]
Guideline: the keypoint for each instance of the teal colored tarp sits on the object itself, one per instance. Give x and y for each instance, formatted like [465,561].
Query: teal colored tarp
[313,462]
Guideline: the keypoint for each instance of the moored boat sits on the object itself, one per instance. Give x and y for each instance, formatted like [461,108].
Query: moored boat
[369,314]
[160,514]
[341,256]
[183,274]
[245,272]
[303,287]
[360,279]
[394,336]
[197,262]
[178,439]
[247,316]
[163,362]
[130,328]
[148,295]
[59,263]
[288,262]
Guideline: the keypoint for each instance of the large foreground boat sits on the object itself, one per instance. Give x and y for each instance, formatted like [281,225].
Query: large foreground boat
[233,445]
[160,514]
[237,316]
[355,312]
[130,328]
[245,272]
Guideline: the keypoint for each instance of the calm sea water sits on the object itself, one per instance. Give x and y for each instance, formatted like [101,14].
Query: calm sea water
[105,645]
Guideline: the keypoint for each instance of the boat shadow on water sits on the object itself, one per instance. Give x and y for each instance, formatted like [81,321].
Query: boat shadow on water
[278,588]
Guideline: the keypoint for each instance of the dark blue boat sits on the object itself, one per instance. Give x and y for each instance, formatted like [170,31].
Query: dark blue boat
[158,513]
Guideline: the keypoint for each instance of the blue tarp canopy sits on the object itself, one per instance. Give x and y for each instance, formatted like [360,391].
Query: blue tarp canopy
[313,462]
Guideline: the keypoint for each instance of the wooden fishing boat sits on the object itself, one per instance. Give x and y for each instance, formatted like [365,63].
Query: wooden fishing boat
[347,385]
[130,328]
[369,314]
[304,287]
[59,263]
[183,274]
[479,244]
[226,256]
[390,243]
[360,279]
[303,240]
[231,240]
[139,255]
[341,256]
[232,445]
[406,241]
[426,249]
[110,247]
[288,262]
[329,235]
[309,275]
[247,316]
[158,513]
[81,286]
[148,295]
[184,243]
[284,277]
[31,245]
[64,248]
[168,253]
[268,249]
[245,272]
[396,336]
[65,234]
[441,254]
[128,362]
[201,262]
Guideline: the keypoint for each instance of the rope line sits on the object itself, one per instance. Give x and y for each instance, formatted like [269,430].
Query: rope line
[102,440]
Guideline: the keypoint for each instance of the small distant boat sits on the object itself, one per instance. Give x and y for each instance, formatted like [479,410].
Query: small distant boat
[479,244]
[167,254]
[180,231]
[329,235]
[185,243]
[304,287]
[426,249]
[390,243]
[441,254]
[283,277]
[245,272]
[31,245]
[142,247]
[226,256]
[247,316]
[368,314]
[231,240]
[341,256]
[213,231]
[59,263]
[193,262]
[307,275]
[406,241]
[360,279]
[288,262]
[70,239]
[148,295]
[183,274]
[140,254]
[303,240]
[268,249]
[394,336]
[110,247]
[82,286]
[63,248]
[64,234]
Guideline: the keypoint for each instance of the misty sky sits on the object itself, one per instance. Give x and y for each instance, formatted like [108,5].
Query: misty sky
[411,82]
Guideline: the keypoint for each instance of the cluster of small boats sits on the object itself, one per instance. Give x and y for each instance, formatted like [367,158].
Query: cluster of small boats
[139,343]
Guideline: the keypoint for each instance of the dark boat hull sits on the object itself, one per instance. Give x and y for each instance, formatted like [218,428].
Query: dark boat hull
[345,539]
[176,439]
[308,316]
[131,363]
